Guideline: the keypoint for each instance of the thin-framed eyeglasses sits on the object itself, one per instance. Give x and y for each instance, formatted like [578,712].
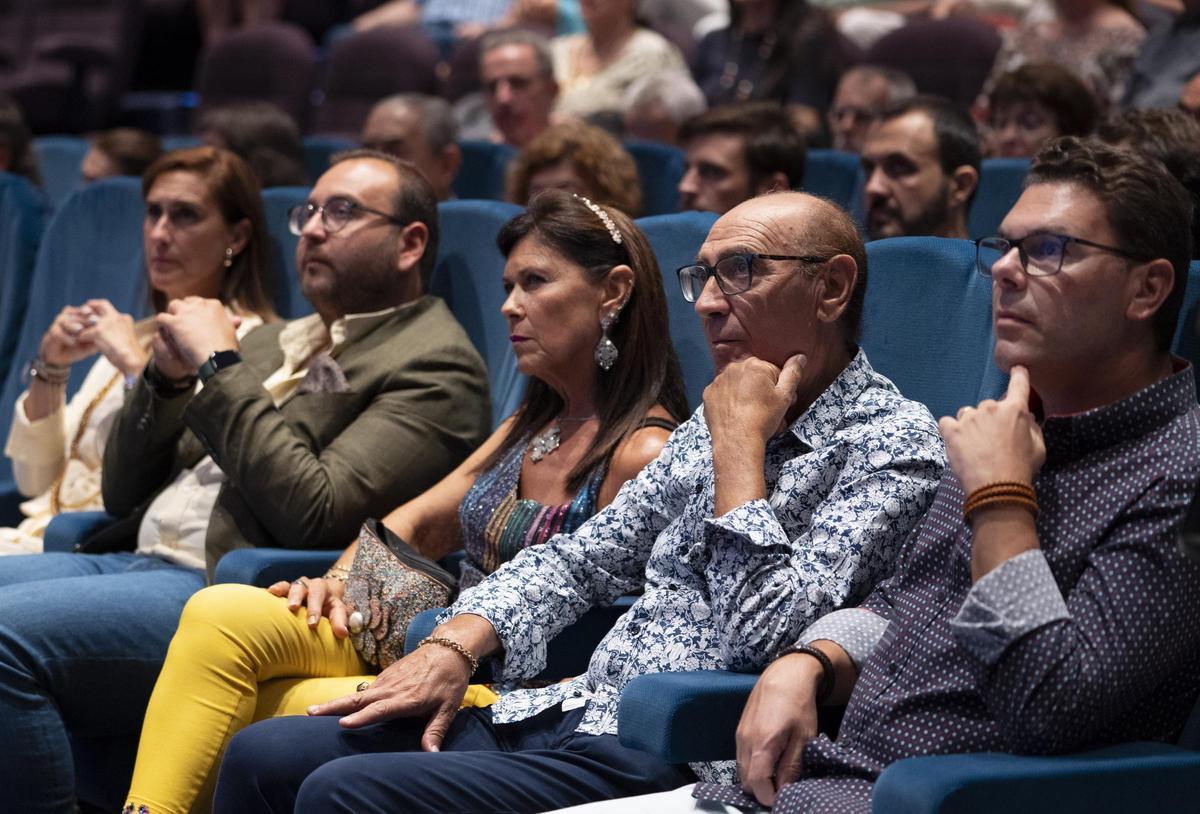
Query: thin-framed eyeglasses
[734,273]
[335,214]
[1041,253]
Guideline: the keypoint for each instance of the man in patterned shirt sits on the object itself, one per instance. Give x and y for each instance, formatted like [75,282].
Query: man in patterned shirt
[783,498]
[1006,630]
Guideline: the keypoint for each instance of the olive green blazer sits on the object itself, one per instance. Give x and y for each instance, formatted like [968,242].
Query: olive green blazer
[413,404]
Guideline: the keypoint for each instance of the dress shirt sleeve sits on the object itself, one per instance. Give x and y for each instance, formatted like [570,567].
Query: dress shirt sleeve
[545,588]
[1055,670]
[855,630]
[767,587]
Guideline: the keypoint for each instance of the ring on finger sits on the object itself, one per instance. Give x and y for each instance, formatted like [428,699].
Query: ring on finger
[301,581]
[362,685]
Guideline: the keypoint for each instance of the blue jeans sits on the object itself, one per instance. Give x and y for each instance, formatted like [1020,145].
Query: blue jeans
[313,766]
[82,638]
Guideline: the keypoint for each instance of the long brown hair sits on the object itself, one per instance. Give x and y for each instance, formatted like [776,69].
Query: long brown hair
[647,370]
[235,190]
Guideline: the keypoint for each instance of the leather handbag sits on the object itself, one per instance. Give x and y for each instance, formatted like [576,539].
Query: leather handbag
[390,583]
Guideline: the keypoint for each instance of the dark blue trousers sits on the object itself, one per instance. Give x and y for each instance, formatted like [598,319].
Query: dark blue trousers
[312,765]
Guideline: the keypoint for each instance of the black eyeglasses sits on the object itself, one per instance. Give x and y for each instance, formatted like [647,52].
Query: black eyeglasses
[335,214]
[1041,253]
[734,273]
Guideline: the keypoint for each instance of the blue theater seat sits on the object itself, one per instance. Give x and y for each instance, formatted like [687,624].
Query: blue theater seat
[22,219]
[660,168]
[837,176]
[59,160]
[483,169]
[1001,181]
[289,301]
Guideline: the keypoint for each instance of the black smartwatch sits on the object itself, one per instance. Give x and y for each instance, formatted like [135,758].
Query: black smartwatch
[218,361]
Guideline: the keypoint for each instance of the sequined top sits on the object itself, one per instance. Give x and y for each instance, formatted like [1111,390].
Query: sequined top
[497,524]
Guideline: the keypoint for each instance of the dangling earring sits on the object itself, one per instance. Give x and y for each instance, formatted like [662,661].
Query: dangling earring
[606,352]
[228,257]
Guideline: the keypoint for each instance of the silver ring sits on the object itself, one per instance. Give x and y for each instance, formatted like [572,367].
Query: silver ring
[362,685]
[301,581]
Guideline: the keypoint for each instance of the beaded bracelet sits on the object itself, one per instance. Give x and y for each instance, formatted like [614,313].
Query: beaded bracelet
[453,645]
[53,375]
[339,572]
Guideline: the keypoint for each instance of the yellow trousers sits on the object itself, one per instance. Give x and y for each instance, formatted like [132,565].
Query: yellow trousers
[239,656]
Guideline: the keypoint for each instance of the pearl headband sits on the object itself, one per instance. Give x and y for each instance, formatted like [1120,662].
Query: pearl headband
[604,216]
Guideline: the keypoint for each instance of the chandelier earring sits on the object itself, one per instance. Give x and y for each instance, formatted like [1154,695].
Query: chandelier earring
[606,352]
[228,257]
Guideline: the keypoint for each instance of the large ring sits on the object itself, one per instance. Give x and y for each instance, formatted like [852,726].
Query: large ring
[301,581]
[362,685]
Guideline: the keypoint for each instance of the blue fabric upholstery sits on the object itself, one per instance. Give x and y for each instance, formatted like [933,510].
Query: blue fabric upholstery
[65,531]
[170,143]
[1117,780]
[285,282]
[927,321]
[684,717]
[265,566]
[59,160]
[837,176]
[566,655]
[22,219]
[1000,183]
[483,168]
[92,248]
[676,240]
[660,168]
[319,149]
[1187,332]
[468,278]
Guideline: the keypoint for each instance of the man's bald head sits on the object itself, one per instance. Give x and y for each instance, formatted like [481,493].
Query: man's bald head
[804,224]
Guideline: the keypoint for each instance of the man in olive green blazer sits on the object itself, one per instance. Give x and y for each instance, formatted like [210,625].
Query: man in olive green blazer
[296,436]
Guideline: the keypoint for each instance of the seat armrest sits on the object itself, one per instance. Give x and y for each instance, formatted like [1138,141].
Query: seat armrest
[265,566]
[68,530]
[1129,777]
[685,717]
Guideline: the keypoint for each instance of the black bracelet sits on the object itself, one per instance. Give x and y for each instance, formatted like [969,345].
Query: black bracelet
[828,676]
[164,387]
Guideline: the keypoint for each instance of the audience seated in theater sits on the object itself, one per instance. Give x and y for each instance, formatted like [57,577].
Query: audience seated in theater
[1036,102]
[595,69]
[16,143]
[784,51]
[578,158]
[588,424]
[1097,40]
[297,433]
[1043,607]
[921,160]
[658,104]
[1172,137]
[447,20]
[736,152]
[265,137]
[199,203]
[121,151]
[1167,71]
[219,17]
[517,74]
[420,129]
[862,94]
[796,481]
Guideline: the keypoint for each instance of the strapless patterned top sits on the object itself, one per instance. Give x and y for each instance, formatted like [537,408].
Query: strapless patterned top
[497,524]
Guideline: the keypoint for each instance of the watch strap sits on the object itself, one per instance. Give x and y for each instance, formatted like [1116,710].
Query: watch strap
[217,362]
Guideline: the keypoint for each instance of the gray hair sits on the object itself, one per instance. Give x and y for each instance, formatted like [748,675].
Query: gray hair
[674,91]
[900,85]
[521,36]
[438,123]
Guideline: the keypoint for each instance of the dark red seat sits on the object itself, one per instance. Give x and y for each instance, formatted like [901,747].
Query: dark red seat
[949,58]
[271,62]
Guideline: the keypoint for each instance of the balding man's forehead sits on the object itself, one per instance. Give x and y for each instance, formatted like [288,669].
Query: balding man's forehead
[769,227]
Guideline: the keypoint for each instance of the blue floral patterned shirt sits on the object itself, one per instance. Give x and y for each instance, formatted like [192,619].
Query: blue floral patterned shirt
[846,482]
[1090,640]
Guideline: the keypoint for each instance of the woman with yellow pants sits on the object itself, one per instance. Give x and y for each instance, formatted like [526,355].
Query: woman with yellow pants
[242,654]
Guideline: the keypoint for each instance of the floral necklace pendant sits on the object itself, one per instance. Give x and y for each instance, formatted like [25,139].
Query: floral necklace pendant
[544,442]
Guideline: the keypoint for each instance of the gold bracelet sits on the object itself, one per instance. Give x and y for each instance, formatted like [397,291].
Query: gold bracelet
[339,577]
[455,646]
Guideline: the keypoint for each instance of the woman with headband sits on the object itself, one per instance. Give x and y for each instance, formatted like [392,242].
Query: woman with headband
[588,321]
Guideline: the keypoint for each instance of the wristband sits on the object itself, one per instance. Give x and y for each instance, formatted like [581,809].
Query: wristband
[1002,493]
[455,646]
[164,387]
[53,375]
[828,676]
